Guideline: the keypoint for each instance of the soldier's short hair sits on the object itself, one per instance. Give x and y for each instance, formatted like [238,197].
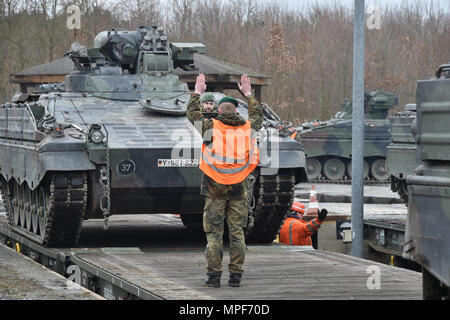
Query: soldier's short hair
[227,107]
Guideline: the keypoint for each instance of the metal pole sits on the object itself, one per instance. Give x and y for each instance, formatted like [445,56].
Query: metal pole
[358,130]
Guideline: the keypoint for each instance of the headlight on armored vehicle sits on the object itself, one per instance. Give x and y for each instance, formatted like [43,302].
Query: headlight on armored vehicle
[97,136]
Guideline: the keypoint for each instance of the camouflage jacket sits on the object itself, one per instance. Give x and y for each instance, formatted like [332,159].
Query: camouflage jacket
[209,187]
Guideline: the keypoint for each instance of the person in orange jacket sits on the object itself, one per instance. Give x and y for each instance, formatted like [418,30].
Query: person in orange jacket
[295,231]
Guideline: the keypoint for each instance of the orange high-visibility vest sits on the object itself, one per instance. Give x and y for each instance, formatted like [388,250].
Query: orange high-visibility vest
[232,155]
[298,232]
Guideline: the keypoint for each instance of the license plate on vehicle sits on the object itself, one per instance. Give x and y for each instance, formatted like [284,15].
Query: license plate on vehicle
[177,162]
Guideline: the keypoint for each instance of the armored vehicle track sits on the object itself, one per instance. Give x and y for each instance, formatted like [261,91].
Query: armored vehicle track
[270,203]
[52,213]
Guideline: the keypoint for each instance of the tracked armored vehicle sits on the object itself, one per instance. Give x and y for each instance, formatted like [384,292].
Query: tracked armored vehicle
[114,139]
[328,144]
[427,236]
[401,157]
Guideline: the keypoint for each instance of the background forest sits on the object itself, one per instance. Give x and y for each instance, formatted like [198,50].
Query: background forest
[308,53]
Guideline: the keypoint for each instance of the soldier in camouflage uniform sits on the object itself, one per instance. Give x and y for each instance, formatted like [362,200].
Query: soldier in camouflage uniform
[208,102]
[224,201]
[208,106]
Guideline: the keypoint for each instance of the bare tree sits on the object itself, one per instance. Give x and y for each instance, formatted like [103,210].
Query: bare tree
[182,21]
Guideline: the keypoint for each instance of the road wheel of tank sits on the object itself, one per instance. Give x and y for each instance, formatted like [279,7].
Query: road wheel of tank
[34,212]
[16,204]
[60,203]
[22,201]
[379,171]
[313,168]
[27,208]
[365,170]
[273,196]
[334,169]
[42,209]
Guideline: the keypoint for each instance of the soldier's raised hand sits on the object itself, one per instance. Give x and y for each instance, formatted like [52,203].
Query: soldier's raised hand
[200,84]
[245,85]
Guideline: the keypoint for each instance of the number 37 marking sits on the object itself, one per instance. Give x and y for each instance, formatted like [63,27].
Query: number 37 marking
[126,167]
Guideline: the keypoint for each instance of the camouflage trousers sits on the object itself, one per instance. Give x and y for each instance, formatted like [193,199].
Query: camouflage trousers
[234,212]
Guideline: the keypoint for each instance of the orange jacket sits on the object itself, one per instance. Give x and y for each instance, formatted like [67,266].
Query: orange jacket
[232,155]
[298,232]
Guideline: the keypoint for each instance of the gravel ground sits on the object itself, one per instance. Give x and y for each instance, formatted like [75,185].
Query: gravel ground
[21,278]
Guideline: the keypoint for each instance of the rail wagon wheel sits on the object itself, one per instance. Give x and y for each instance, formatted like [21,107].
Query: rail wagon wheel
[34,211]
[379,171]
[333,169]
[27,208]
[15,202]
[365,170]
[42,210]
[313,168]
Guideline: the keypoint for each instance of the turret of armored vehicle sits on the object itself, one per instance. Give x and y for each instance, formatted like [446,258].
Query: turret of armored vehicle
[328,144]
[114,139]
[427,236]
[401,157]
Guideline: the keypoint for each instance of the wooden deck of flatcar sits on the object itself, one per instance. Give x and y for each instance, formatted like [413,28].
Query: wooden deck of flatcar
[272,272]
[155,257]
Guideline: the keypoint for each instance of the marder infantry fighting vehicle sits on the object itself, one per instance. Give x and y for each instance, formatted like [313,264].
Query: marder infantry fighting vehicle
[328,144]
[427,236]
[401,157]
[116,140]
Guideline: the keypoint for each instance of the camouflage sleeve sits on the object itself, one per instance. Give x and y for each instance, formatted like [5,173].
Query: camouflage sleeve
[255,112]
[194,114]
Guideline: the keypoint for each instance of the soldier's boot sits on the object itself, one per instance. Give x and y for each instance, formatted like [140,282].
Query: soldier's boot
[235,280]
[213,280]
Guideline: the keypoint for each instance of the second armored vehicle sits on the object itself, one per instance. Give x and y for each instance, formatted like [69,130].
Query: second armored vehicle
[427,236]
[401,157]
[116,141]
[328,145]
